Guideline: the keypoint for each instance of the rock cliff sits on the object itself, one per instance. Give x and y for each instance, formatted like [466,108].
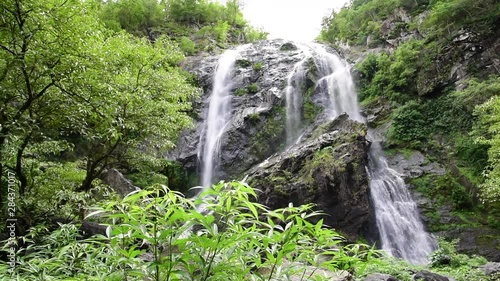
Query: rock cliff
[326,167]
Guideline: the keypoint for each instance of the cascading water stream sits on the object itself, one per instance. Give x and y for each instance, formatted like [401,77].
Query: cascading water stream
[336,80]
[294,99]
[402,233]
[219,113]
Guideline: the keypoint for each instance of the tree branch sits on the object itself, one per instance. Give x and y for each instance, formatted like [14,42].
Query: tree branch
[8,50]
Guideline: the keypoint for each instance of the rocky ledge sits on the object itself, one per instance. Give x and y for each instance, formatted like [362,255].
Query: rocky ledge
[328,169]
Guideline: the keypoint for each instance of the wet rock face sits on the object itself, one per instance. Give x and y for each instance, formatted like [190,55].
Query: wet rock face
[425,275]
[476,241]
[257,125]
[327,169]
[415,165]
[492,269]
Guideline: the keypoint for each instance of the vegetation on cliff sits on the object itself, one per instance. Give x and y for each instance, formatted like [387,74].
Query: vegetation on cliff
[197,25]
[426,49]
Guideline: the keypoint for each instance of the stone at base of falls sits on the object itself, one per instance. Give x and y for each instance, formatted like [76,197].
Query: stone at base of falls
[380,277]
[492,269]
[425,275]
[118,182]
[327,169]
[312,272]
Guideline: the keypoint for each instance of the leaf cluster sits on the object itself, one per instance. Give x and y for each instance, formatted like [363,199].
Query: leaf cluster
[222,234]
[196,25]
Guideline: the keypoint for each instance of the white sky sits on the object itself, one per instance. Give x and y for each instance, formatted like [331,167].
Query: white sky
[298,20]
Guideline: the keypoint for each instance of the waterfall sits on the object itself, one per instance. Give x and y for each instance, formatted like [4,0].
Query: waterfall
[294,100]
[336,80]
[402,233]
[219,114]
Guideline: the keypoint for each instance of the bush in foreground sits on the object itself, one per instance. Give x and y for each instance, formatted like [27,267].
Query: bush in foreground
[158,234]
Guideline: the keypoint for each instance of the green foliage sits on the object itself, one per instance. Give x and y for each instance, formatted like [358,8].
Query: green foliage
[487,132]
[258,66]
[187,46]
[446,260]
[355,23]
[145,179]
[444,188]
[448,17]
[241,91]
[89,99]
[243,63]
[253,88]
[199,25]
[311,110]
[393,77]
[273,131]
[232,238]
[254,117]
[409,124]
[474,157]
[140,18]
[253,34]
[221,30]
[400,269]
[178,178]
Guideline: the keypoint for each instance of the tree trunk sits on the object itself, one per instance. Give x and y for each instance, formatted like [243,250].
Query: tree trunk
[23,180]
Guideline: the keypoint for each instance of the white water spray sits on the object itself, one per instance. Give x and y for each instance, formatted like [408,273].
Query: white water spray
[294,99]
[402,233]
[219,114]
[337,81]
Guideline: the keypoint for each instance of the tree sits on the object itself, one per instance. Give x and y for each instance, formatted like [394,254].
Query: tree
[66,81]
[487,131]
[138,17]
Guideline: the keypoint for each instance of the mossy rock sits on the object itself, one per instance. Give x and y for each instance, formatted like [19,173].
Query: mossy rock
[310,109]
[243,63]
[240,92]
[273,132]
[288,47]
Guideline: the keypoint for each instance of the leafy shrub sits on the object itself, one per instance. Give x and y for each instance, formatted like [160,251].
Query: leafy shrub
[221,31]
[253,88]
[187,46]
[398,268]
[409,125]
[254,117]
[157,234]
[446,260]
[446,254]
[254,34]
[241,91]
[258,66]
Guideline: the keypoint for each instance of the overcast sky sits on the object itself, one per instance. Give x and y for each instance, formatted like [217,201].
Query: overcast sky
[298,20]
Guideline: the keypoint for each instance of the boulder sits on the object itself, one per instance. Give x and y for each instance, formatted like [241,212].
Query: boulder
[380,277]
[327,169]
[118,182]
[414,165]
[425,275]
[492,269]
